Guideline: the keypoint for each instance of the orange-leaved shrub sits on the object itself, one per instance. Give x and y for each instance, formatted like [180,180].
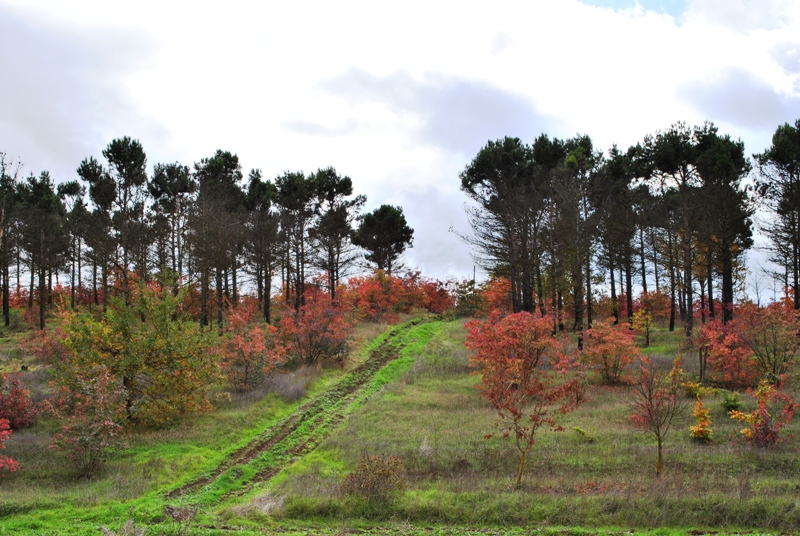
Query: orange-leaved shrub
[7,464]
[15,403]
[775,410]
[608,349]
[511,353]
[250,349]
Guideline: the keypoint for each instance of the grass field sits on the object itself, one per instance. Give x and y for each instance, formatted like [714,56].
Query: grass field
[595,477]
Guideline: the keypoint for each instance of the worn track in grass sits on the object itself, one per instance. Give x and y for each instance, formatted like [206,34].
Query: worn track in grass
[299,432]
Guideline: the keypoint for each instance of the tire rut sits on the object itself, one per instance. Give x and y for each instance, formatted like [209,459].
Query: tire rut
[327,404]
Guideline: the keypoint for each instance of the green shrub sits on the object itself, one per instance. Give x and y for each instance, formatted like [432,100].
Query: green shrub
[731,401]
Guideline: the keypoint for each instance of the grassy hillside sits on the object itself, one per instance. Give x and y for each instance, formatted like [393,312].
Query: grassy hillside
[599,472]
[274,461]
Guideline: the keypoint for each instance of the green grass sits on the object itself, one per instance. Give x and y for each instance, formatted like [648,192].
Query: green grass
[424,408]
[434,419]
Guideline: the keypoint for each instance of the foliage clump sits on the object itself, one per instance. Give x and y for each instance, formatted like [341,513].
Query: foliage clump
[7,464]
[164,362]
[608,350]
[16,405]
[377,479]
[250,350]
[510,353]
[701,431]
[318,331]
[765,423]
[94,410]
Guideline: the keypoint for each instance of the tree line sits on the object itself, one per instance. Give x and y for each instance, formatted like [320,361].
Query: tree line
[558,218]
[207,223]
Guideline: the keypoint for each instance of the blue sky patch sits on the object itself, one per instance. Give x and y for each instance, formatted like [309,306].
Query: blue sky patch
[671,7]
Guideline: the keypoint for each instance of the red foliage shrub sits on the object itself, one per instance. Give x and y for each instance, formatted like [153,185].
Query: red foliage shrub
[496,296]
[318,331]
[608,350]
[94,412]
[764,426]
[436,297]
[249,352]
[15,403]
[772,334]
[7,464]
[728,359]
[509,353]
[656,303]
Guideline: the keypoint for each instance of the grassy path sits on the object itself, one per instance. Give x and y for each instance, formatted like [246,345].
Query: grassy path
[295,435]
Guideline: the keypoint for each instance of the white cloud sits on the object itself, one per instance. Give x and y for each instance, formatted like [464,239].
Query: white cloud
[397,96]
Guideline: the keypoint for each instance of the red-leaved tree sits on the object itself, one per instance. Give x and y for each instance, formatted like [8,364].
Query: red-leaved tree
[775,410]
[7,464]
[725,356]
[94,411]
[608,350]
[250,350]
[436,298]
[15,403]
[317,332]
[772,333]
[510,354]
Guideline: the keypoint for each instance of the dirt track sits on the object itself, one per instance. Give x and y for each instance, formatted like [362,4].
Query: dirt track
[298,433]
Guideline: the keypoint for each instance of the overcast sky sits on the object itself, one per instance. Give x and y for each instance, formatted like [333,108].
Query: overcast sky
[398,96]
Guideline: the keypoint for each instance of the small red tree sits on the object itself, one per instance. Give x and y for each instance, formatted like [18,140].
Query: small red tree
[655,303]
[317,331]
[496,295]
[510,353]
[94,413]
[435,297]
[764,427]
[656,402]
[376,297]
[728,360]
[15,403]
[7,464]
[609,349]
[249,351]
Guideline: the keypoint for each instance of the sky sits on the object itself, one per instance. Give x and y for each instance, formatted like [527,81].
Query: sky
[398,96]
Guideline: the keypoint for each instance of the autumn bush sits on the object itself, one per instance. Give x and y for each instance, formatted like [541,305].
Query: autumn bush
[249,351]
[510,354]
[318,331]
[701,430]
[7,464]
[775,410]
[496,296]
[757,343]
[379,297]
[608,350]
[728,360]
[772,334]
[94,411]
[16,405]
[163,361]
[657,304]
[436,297]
